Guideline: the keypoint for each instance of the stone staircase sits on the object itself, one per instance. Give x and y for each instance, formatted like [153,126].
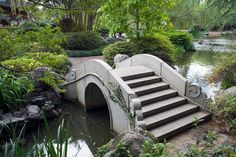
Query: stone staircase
[165,111]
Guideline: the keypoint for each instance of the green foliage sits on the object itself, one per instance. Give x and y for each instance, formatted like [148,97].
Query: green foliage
[101,151]
[103,32]
[225,71]
[83,41]
[224,109]
[151,149]
[14,43]
[53,80]
[134,17]
[12,88]
[110,51]
[22,64]
[49,146]
[30,61]
[209,148]
[181,39]
[85,53]
[122,150]
[159,46]
[57,62]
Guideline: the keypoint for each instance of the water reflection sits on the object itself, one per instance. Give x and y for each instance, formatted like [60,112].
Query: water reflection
[87,130]
[198,65]
[222,44]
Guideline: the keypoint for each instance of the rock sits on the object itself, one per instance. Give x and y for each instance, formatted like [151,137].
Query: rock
[71,75]
[231,90]
[39,100]
[201,42]
[34,112]
[133,138]
[120,57]
[48,109]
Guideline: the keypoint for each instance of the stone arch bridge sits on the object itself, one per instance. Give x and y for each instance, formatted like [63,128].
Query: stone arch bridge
[142,91]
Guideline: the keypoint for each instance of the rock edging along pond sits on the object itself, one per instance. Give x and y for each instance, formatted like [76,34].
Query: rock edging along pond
[43,101]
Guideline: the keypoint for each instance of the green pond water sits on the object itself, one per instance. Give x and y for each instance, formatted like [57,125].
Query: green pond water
[88,130]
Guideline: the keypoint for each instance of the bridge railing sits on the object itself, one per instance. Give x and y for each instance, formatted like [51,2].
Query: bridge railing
[108,77]
[160,68]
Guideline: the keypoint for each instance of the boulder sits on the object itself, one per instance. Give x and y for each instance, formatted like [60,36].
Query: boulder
[133,138]
[231,90]
[49,110]
[34,112]
[120,57]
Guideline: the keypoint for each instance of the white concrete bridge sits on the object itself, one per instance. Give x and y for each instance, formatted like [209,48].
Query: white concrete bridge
[142,91]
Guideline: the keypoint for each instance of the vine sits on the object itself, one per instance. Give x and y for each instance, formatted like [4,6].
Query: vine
[117,96]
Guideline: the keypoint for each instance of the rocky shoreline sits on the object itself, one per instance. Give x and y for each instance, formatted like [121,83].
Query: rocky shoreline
[44,101]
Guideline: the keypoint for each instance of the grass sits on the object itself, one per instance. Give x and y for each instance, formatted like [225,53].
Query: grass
[49,147]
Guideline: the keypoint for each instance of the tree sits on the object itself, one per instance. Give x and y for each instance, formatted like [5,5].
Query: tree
[135,17]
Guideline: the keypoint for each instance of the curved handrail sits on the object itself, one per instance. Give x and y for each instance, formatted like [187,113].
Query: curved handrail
[106,73]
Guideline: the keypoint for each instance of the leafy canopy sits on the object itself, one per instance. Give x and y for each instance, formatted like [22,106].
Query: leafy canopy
[136,17]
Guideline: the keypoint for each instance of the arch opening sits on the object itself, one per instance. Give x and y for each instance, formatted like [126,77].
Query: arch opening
[94,97]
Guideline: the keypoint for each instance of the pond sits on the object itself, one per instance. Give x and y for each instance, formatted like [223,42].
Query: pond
[196,66]
[89,130]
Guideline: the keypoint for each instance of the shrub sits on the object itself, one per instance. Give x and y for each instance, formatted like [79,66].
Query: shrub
[112,40]
[30,61]
[151,149]
[104,32]
[159,46]
[44,40]
[83,41]
[110,51]
[22,64]
[12,89]
[224,109]
[57,62]
[181,39]
[84,53]
[29,26]
[225,71]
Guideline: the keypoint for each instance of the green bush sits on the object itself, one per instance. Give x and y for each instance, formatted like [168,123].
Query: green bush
[13,43]
[83,41]
[84,53]
[181,39]
[104,32]
[12,89]
[224,109]
[57,62]
[110,51]
[151,149]
[225,71]
[22,64]
[159,46]
[30,61]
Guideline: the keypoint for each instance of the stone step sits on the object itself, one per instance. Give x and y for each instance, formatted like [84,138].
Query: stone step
[170,129]
[162,105]
[143,81]
[157,96]
[134,72]
[170,115]
[146,89]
